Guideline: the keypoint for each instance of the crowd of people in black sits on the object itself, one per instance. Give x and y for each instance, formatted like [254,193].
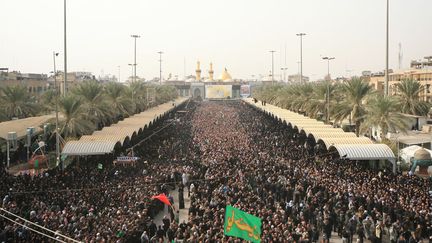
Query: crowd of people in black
[224,153]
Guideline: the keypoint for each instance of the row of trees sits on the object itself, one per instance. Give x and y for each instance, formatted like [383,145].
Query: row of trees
[354,100]
[88,106]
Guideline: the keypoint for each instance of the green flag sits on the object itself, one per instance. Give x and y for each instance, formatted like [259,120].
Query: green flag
[36,164]
[242,225]
[100,166]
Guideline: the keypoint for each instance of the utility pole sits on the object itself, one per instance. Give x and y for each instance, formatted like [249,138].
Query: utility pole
[328,65]
[65,52]
[301,55]
[386,79]
[272,64]
[56,111]
[160,67]
[284,73]
[135,64]
[132,70]
[328,87]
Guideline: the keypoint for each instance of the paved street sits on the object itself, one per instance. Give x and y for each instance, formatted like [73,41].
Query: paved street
[183,212]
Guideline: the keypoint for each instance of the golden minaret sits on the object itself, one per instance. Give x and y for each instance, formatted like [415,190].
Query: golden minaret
[211,72]
[198,72]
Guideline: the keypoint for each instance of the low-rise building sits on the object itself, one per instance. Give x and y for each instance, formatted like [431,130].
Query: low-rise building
[424,76]
[35,83]
[295,78]
[420,71]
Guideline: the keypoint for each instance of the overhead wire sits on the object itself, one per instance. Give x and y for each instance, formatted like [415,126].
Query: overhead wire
[36,231]
[39,226]
[113,187]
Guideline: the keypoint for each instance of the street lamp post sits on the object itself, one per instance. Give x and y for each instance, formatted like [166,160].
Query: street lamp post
[386,88]
[328,86]
[328,65]
[284,73]
[56,111]
[301,55]
[65,52]
[272,73]
[119,79]
[160,67]
[135,37]
[132,70]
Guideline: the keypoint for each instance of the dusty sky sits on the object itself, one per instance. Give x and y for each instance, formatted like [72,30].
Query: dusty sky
[236,34]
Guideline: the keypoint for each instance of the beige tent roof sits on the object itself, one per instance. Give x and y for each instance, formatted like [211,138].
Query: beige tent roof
[336,141]
[365,151]
[88,147]
[320,130]
[326,134]
[104,141]
[346,143]
[20,126]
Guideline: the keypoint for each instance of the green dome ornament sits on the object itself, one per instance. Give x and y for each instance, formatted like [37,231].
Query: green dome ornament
[422,158]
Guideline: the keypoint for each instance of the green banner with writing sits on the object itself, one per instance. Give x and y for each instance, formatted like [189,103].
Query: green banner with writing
[242,225]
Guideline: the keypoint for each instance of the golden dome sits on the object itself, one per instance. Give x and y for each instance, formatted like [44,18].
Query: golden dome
[422,154]
[225,76]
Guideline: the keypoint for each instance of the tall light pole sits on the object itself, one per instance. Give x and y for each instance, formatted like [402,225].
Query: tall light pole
[328,65]
[272,73]
[119,80]
[160,67]
[386,83]
[328,86]
[65,52]
[56,111]
[132,71]
[284,73]
[301,55]
[135,37]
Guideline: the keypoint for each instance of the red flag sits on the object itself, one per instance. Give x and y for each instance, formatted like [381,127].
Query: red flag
[161,197]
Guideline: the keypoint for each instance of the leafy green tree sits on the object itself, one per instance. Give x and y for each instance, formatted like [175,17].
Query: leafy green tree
[121,105]
[317,104]
[76,121]
[92,98]
[15,101]
[137,92]
[384,111]
[409,92]
[165,93]
[353,104]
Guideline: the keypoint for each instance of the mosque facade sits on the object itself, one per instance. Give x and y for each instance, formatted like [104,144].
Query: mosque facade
[209,87]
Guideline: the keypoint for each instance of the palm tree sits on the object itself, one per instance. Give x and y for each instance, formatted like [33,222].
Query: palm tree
[409,92]
[76,120]
[47,101]
[300,96]
[121,105]
[93,101]
[267,93]
[384,111]
[318,101]
[17,102]
[136,91]
[165,93]
[355,94]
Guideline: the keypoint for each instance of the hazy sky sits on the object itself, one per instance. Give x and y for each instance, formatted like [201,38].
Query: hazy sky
[236,34]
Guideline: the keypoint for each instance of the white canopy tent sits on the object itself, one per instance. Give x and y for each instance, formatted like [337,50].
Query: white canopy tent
[366,152]
[105,140]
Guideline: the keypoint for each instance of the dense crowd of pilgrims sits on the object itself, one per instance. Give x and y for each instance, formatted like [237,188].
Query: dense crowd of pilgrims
[224,153]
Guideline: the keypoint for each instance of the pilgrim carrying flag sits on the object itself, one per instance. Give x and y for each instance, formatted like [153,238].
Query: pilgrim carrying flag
[161,197]
[242,225]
